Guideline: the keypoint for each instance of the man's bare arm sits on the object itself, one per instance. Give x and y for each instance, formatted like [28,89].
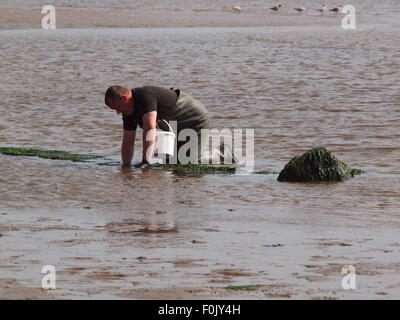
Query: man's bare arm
[128,141]
[149,134]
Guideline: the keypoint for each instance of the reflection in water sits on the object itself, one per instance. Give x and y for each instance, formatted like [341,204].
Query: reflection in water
[126,172]
[156,219]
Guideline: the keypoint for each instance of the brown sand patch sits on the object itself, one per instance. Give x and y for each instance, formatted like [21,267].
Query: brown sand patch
[166,293]
[190,293]
[82,259]
[188,263]
[313,278]
[365,269]
[279,295]
[333,243]
[47,219]
[319,258]
[73,270]
[11,289]
[231,273]
[209,229]
[9,228]
[394,286]
[105,275]
[72,242]
[330,269]
[222,281]
[324,298]
[55,227]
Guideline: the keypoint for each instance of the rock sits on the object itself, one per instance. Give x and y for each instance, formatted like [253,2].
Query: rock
[317,164]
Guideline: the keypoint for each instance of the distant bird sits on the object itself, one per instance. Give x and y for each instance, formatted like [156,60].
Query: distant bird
[276,8]
[323,9]
[337,9]
[237,8]
[300,9]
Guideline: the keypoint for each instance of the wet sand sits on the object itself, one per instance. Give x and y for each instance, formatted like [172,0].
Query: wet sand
[12,18]
[102,256]
[200,235]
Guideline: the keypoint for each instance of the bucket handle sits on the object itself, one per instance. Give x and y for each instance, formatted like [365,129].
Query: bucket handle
[163,125]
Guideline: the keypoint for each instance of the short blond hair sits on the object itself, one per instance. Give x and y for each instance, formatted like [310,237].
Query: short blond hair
[115,92]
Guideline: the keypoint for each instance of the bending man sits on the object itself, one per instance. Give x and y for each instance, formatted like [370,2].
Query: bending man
[145,106]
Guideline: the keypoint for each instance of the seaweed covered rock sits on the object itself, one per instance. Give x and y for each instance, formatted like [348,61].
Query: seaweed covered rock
[317,164]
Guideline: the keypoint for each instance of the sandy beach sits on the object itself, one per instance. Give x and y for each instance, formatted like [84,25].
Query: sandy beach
[94,259]
[13,18]
[113,233]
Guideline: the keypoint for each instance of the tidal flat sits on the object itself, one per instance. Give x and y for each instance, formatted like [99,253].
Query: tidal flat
[113,232]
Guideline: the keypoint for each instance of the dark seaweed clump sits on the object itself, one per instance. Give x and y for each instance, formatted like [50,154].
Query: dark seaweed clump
[317,164]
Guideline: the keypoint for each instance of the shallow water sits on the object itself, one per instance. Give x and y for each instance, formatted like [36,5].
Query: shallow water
[297,87]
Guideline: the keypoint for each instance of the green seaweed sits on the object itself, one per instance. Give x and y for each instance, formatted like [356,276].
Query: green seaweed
[354,171]
[243,287]
[182,169]
[194,169]
[265,172]
[48,154]
[317,164]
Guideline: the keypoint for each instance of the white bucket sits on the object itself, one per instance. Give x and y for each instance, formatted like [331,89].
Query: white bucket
[164,143]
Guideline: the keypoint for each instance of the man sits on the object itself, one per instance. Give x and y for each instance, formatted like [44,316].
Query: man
[146,105]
